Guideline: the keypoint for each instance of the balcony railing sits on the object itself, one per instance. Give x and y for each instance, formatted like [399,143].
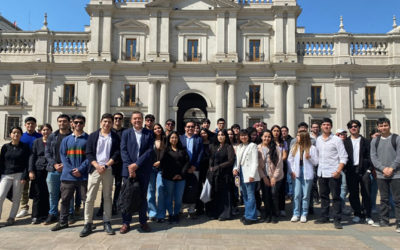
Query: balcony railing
[69,102]
[369,46]
[197,58]
[14,100]
[243,2]
[70,44]
[251,58]
[315,45]
[17,43]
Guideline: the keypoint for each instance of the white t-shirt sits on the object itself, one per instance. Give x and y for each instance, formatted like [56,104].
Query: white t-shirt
[356,150]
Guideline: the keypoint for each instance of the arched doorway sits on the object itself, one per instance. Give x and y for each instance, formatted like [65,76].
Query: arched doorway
[190,107]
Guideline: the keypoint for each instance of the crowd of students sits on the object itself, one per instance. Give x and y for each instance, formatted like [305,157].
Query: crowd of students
[258,166]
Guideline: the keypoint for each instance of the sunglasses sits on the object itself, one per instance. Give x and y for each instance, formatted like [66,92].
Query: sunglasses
[190,126]
[149,120]
[118,118]
[78,122]
[354,126]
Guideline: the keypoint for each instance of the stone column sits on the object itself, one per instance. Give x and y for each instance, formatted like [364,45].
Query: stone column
[152,98]
[231,112]
[291,107]
[105,98]
[41,105]
[279,36]
[219,100]
[220,33]
[232,30]
[92,106]
[107,36]
[278,103]
[342,93]
[164,36]
[153,35]
[164,104]
[394,104]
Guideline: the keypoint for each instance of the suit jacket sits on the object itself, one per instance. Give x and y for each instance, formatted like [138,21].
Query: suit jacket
[91,148]
[364,161]
[197,149]
[129,151]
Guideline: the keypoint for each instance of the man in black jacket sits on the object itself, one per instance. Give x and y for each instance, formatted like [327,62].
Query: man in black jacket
[358,169]
[102,150]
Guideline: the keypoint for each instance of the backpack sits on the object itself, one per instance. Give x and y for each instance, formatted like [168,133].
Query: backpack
[130,198]
[394,144]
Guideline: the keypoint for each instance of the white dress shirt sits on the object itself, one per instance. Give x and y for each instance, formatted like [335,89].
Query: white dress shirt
[331,152]
[103,149]
[356,150]
[138,134]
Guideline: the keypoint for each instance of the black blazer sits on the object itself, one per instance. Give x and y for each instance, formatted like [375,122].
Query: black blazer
[91,147]
[364,161]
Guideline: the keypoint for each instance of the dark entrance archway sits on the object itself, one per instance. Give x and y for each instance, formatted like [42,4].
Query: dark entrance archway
[190,107]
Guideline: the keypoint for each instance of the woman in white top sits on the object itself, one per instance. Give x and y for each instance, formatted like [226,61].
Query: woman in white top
[302,159]
[246,166]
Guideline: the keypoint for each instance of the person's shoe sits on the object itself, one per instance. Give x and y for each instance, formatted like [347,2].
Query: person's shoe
[369,221]
[235,211]
[268,219]
[160,220]
[108,228]
[87,229]
[398,227]
[303,219]
[192,216]
[59,226]
[171,219]
[10,222]
[35,221]
[356,219]
[145,228]
[381,223]
[322,220]
[22,213]
[50,219]
[294,218]
[71,219]
[275,220]
[124,229]
[248,222]
[282,213]
[337,224]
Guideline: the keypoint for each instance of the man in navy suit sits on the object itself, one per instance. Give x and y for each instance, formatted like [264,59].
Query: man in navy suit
[136,153]
[194,146]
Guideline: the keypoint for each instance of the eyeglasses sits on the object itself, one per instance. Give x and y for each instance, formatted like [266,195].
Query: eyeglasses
[190,126]
[79,122]
[118,118]
[170,124]
[149,120]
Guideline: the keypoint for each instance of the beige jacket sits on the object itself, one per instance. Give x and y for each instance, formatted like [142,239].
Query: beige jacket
[273,171]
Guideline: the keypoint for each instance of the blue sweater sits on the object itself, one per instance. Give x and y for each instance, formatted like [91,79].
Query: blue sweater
[30,138]
[73,155]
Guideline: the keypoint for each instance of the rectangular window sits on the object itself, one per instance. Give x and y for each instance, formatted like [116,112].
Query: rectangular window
[69,95]
[369,126]
[130,95]
[370,97]
[254,51]
[316,96]
[192,51]
[15,94]
[253,121]
[11,121]
[254,96]
[130,50]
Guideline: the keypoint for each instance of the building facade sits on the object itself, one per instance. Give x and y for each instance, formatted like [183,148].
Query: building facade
[246,61]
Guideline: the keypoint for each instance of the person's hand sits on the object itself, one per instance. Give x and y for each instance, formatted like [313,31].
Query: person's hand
[293,175]
[132,174]
[177,177]
[156,164]
[251,179]
[101,169]
[235,172]
[266,181]
[388,172]
[31,176]
[191,169]
[336,174]
[58,167]
[76,173]
[22,181]
[133,167]
[273,182]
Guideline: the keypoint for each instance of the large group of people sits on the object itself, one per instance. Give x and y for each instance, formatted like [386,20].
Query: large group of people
[206,172]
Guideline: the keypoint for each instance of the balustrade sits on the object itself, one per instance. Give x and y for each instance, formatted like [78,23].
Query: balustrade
[17,44]
[369,48]
[68,46]
[315,46]
[254,2]
[130,1]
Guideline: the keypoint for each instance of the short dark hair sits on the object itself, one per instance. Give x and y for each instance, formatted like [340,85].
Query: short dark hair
[190,121]
[316,122]
[235,126]
[206,120]
[79,117]
[302,124]
[137,112]
[221,120]
[30,119]
[150,116]
[284,126]
[326,119]
[171,120]
[118,113]
[107,116]
[383,120]
[350,123]
[244,132]
[64,116]
[15,127]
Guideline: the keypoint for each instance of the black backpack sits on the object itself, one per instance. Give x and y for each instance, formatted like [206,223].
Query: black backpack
[130,198]
[190,195]
[394,143]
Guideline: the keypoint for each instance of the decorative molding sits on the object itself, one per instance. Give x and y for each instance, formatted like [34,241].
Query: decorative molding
[256,26]
[193,25]
[131,25]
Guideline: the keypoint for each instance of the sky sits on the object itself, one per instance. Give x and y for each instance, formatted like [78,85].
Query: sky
[318,16]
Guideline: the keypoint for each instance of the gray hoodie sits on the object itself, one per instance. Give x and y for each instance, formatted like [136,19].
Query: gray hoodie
[386,156]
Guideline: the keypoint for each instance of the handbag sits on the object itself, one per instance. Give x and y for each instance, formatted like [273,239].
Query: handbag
[205,195]
[130,199]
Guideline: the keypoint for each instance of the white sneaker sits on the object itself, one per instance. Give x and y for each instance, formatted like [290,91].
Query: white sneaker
[295,218]
[22,213]
[303,219]
[356,219]
[283,213]
[369,221]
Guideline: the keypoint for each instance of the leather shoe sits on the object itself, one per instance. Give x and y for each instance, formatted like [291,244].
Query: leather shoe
[108,229]
[145,228]
[124,229]
[87,229]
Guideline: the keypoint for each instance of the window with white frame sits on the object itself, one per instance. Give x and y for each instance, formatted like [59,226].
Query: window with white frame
[11,121]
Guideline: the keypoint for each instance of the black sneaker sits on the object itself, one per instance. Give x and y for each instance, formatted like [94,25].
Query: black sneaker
[249,222]
[275,219]
[108,229]
[50,219]
[59,226]
[381,223]
[321,220]
[35,221]
[337,224]
[87,229]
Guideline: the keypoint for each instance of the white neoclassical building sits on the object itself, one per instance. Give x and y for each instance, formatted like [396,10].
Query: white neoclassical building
[246,61]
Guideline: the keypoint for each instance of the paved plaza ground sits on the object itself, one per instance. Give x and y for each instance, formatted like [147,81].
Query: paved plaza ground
[201,234]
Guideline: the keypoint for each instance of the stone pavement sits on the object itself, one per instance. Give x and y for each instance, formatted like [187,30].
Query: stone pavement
[201,234]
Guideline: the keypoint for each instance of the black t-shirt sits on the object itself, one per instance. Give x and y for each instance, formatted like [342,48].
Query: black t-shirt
[58,145]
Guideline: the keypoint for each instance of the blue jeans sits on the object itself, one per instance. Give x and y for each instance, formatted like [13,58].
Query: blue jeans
[302,192]
[248,190]
[374,192]
[343,190]
[174,192]
[161,193]
[151,194]
[53,184]
[289,185]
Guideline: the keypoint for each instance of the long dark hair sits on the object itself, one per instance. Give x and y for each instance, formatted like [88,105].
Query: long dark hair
[163,136]
[227,141]
[273,154]
[179,146]
[280,139]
